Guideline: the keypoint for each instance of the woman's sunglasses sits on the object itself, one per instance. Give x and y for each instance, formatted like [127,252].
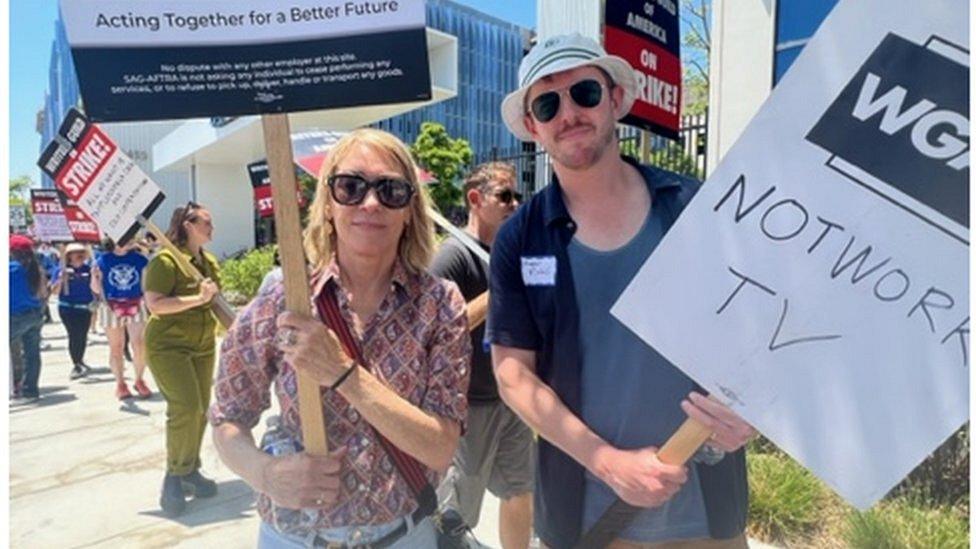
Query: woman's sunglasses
[585,93]
[506,196]
[351,189]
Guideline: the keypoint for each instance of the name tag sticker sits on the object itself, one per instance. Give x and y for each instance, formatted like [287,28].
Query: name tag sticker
[539,270]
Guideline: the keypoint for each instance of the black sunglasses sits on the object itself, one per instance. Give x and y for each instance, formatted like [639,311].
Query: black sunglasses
[506,196]
[351,189]
[585,93]
[189,210]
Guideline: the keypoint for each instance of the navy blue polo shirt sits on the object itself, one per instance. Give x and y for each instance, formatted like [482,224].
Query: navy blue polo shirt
[533,306]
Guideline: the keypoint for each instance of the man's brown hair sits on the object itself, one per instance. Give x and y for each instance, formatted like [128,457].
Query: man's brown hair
[482,174]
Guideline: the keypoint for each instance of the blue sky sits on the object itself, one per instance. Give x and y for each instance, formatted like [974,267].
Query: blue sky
[31,34]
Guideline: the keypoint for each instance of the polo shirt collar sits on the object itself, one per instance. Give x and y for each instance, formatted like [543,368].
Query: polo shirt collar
[554,208]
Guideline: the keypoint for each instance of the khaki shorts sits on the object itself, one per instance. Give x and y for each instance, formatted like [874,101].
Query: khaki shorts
[496,453]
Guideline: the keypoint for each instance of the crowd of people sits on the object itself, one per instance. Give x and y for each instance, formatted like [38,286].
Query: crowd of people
[553,406]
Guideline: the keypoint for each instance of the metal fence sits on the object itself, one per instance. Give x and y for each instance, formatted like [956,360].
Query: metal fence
[685,156]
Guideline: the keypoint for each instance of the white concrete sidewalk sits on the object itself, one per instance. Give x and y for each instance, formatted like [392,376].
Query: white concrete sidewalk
[86,470]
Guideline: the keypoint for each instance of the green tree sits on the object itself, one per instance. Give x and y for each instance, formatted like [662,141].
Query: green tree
[696,42]
[445,158]
[307,184]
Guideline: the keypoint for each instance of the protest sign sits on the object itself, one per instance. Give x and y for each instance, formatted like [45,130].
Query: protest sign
[176,59]
[83,227]
[91,171]
[645,34]
[261,183]
[310,149]
[818,282]
[18,217]
[50,225]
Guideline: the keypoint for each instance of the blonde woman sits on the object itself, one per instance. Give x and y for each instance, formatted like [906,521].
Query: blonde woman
[394,400]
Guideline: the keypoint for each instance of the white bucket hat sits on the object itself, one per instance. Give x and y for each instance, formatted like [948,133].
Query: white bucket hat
[558,54]
[75,247]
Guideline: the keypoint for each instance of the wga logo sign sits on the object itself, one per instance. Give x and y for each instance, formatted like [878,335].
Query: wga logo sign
[902,123]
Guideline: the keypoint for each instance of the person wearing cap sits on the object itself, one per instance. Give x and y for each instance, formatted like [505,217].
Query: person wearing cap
[72,285]
[601,400]
[180,342]
[28,293]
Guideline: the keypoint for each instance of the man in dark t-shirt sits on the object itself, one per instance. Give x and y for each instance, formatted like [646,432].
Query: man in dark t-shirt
[497,451]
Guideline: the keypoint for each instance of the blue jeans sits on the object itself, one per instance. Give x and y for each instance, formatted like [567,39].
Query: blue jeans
[26,327]
[418,536]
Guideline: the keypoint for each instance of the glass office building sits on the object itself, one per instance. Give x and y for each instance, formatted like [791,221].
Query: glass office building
[62,92]
[489,53]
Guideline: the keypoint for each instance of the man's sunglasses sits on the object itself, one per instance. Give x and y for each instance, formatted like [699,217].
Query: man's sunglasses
[585,93]
[506,196]
[351,189]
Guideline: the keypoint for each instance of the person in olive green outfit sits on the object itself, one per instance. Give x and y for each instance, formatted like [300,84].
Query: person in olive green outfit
[180,349]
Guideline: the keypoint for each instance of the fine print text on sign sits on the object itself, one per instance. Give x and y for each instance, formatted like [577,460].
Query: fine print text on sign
[173,59]
[828,252]
[50,224]
[92,172]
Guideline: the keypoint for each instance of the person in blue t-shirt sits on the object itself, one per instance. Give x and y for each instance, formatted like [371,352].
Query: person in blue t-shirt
[72,285]
[117,278]
[28,292]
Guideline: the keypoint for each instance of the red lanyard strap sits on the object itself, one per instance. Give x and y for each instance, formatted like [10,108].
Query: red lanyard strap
[410,469]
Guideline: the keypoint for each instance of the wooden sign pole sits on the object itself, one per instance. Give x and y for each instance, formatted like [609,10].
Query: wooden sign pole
[277,144]
[63,264]
[222,310]
[477,311]
[676,451]
[684,443]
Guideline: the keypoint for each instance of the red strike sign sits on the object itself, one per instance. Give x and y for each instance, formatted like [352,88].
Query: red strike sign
[263,201]
[82,227]
[85,163]
[47,206]
[658,73]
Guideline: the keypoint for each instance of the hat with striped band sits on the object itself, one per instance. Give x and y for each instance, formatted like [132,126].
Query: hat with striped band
[558,54]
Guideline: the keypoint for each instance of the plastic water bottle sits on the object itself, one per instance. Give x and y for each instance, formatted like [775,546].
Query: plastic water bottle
[276,441]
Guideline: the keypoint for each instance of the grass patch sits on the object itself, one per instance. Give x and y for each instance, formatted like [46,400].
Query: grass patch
[786,502]
[899,524]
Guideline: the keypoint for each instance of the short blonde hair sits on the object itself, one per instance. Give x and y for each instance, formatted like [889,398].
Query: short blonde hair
[416,246]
